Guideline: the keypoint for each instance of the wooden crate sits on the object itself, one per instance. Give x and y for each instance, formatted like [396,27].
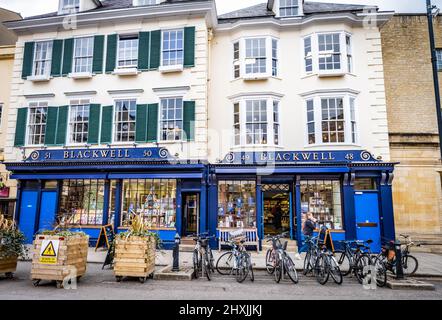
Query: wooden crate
[72,254]
[8,266]
[134,257]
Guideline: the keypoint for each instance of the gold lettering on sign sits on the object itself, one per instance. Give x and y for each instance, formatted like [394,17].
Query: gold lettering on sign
[104,153]
[306,156]
[286,156]
[278,157]
[263,157]
[296,156]
[95,154]
[66,154]
[330,156]
[112,154]
[87,154]
[315,156]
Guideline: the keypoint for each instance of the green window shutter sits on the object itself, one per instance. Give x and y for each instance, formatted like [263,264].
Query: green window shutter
[20,127]
[51,126]
[97,64]
[141,123]
[111,55]
[57,51]
[155,49]
[189,120]
[68,56]
[152,124]
[28,59]
[62,125]
[143,51]
[106,124]
[189,46]
[94,119]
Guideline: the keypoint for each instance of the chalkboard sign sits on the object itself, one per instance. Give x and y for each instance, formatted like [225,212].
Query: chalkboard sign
[109,256]
[106,237]
[325,238]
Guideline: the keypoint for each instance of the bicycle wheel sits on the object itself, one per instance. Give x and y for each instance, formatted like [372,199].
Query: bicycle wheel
[196,264]
[211,260]
[250,268]
[307,265]
[241,269]
[409,264]
[206,265]
[334,270]
[381,272]
[279,265]
[289,267]
[225,263]
[320,270]
[344,263]
[360,267]
[270,261]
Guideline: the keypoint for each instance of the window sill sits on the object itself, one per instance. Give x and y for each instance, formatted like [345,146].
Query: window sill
[170,69]
[256,77]
[43,78]
[256,146]
[173,142]
[322,145]
[326,74]
[126,71]
[80,75]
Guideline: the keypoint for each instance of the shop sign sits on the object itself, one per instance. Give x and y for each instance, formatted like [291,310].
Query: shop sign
[93,155]
[49,251]
[281,157]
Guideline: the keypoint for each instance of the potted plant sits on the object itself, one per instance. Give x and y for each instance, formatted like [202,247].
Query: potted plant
[11,246]
[59,255]
[135,251]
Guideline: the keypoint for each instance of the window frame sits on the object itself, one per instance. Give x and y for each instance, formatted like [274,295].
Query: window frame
[89,57]
[317,113]
[67,9]
[115,122]
[280,8]
[48,61]
[127,37]
[75,104]
[28,122]
[162,48]
[175,119]
[137,3]
[242,102]
[439,59]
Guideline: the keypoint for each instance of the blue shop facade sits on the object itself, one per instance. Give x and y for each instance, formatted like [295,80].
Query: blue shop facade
[350,192]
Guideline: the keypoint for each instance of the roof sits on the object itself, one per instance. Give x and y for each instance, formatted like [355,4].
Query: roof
[261,10]
[113,5]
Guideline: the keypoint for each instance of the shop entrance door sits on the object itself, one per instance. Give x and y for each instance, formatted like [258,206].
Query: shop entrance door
[190,213]
[28,214]
[277,208]
[367,218]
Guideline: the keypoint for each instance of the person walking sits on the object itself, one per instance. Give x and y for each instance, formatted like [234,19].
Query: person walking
[308,228]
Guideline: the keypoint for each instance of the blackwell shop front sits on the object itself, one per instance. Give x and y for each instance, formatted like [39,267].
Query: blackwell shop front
[88,188]
[347,191]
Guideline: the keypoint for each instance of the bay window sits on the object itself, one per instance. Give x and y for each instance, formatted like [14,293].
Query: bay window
[125,119]
[331,120]
[328,54]
[78,121]
[42,58]
[37,123]
[256,122]
[255,58]
[83,54]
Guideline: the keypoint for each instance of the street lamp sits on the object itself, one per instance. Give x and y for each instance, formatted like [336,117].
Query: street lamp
[433,11]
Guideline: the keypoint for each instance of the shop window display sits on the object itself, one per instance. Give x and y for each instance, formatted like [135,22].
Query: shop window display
[153,199]
[81,202]
[323,199]
[236,204]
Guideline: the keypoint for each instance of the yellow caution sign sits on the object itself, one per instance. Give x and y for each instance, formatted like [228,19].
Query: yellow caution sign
[49,251]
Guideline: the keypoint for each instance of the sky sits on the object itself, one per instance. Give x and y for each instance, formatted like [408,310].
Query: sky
[35,7]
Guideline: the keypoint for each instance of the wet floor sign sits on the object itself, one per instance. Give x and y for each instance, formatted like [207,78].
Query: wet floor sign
[49,251]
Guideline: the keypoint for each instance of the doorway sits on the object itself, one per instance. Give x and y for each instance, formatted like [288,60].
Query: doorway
[190,213]
[277,208]
[367,218]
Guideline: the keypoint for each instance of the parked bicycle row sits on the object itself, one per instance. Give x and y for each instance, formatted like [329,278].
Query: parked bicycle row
[353,258]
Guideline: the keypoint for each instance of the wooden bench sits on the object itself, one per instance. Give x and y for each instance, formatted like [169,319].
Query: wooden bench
[251,237]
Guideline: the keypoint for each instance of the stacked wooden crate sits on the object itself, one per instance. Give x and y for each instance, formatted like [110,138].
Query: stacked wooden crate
[71,259]
[134,257]
[8,265]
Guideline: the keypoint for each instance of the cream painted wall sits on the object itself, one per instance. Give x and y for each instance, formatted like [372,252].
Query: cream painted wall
[195,78]
[368,79]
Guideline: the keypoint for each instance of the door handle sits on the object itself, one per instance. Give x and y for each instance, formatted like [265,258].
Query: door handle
[367,224]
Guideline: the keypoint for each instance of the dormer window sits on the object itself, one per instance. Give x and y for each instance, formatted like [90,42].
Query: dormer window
[145,2]
[288,8]
[69,6]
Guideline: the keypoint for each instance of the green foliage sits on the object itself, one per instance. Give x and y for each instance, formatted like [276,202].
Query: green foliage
[62,233]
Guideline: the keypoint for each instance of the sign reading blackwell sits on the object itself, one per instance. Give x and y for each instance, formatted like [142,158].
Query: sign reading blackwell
[281,157]
[117,154]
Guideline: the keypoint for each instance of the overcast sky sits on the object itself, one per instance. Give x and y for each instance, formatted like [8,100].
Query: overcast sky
[35,7]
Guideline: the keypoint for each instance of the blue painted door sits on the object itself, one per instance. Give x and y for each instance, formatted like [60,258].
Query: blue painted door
[47,210]
[28,214]
[367,218]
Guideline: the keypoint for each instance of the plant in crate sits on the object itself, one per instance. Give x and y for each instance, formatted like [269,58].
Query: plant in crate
[11,246]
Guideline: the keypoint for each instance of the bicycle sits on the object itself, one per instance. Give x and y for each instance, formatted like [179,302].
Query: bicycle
[237,261]
[278,262]
[311,256]
[202,256]
[326,266]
